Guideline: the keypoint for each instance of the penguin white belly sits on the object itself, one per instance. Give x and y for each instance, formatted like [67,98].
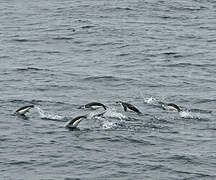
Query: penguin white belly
[95,107]
[23,111]
[169,108]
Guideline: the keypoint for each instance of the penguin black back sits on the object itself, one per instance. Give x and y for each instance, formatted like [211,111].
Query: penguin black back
[128,106]
[73,123]
[24,109]
[93,105]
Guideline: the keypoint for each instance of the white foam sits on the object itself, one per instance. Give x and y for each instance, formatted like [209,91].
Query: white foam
[46,115]
[186,114]
[111,113]
[150,100]
[108,125]
[109,120]
[94,114]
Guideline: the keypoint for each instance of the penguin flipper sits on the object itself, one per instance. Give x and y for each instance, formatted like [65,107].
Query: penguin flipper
[125,108]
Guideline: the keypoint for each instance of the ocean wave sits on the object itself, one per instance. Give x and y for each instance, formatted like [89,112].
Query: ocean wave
[118,9]
[107,78]
[23,69]
[88,26]
[101,78]
[187,65]
[62,38]
[37,102]
[23,40]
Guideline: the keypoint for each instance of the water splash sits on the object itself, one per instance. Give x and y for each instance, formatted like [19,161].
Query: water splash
[95,114]
[111,113]
[45,115]
[108,125]
[108,119]
[151,100]
[186,114]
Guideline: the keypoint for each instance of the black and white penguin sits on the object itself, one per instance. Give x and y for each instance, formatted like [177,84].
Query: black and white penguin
[128,107]
[170,106]
[73,123]
[93,106]
[24,110]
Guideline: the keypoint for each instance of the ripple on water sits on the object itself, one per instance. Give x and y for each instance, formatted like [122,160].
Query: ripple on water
[59,54]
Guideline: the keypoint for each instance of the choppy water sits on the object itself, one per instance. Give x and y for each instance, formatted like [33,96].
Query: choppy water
[59,55]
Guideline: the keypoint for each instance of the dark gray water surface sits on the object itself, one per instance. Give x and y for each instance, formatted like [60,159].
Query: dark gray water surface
[59,55]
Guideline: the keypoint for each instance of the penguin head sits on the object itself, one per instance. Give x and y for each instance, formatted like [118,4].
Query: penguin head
[81,107]
[119,102]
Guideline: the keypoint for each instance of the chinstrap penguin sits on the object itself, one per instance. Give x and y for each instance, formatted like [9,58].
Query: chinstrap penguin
[170,106]
[128,107]
[73,123]
[24,110]
[93,106]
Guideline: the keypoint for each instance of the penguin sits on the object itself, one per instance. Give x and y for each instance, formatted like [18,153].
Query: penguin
[93,106]
[73,123]
[128,107]
[170,106]
[24,110]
